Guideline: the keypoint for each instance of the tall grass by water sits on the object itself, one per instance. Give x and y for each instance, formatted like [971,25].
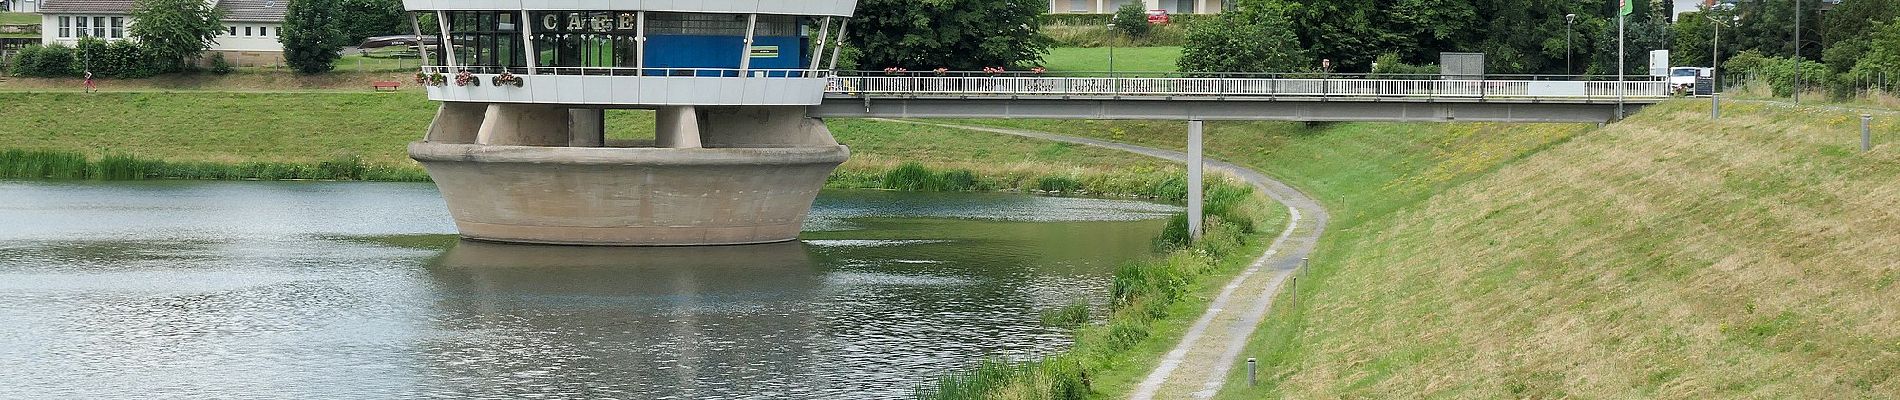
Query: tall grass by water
[1149,297]
[65,165]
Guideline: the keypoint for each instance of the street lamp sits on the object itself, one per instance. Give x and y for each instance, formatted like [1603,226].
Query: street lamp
[1715,64]
[1111,50]
[1570,29]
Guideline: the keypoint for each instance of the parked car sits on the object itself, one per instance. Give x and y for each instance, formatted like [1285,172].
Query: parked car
[1158,17]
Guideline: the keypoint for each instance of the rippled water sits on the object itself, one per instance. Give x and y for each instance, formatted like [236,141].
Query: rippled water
[351,290]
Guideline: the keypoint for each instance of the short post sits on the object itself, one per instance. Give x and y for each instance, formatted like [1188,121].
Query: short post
[1194,179]
[1253,372]
[1866,132]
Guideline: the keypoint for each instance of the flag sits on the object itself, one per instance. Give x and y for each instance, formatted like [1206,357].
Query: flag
[1627,8]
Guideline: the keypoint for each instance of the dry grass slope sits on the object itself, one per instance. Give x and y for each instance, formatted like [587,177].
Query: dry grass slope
[1664,257]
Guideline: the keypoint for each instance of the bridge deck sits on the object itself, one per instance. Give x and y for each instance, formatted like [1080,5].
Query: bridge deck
[1235,98]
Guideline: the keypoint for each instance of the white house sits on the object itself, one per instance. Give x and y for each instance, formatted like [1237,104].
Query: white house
[250,37]
[1109,6]
[26,6]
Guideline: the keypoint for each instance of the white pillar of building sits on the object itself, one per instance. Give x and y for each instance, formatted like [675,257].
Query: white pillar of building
[1154,4]
[678,128]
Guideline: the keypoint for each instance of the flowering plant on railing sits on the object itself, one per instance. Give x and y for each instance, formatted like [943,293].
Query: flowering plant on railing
[506,79]
[465,78]
[994,71]
[431,79]
[1038,70]
[894,71]
[941,71]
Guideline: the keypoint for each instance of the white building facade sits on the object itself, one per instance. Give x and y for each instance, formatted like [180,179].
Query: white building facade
[27,6]
[1109,6]
[250,34]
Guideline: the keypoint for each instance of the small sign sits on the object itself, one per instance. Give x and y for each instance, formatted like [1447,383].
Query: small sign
[764,51]
[1628,8]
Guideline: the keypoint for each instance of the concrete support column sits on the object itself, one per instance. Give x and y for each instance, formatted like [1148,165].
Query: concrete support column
[678,127]
[1195,201]
[456,123]
[524,125]
[587,127]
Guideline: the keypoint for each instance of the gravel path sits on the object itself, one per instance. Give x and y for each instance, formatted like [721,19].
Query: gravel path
[1210,350]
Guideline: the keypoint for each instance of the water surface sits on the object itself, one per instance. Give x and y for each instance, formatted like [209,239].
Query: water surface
[355,290]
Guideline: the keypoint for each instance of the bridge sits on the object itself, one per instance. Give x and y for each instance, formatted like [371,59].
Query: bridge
[1232,96]
[740,90]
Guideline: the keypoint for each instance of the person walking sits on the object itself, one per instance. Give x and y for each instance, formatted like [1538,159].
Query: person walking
[90,87]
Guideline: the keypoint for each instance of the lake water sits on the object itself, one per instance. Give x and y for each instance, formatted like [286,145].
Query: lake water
[358,290]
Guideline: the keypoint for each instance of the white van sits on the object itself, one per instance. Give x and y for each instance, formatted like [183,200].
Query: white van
[1682,79]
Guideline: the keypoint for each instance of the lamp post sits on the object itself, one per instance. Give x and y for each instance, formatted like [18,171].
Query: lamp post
[1797,51]
[1570,33]
[1715,63]
[1111,50]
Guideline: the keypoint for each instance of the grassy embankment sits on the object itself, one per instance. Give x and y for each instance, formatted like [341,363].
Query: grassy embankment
[19,18]
[1666,256]
[364,136]
[1363,169]
[1127,59]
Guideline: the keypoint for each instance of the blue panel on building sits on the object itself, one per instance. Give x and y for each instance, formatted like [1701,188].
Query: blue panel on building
[722,52]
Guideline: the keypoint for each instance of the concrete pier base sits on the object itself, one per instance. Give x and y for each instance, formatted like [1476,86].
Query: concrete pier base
[628,196]
[539,173]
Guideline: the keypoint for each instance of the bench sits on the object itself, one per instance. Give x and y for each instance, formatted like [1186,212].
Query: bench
[385,85]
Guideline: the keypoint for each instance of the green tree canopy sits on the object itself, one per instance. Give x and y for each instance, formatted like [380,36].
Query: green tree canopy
[362,19]
[1257,37]
[955,34]
[312,35]
[176,31]
[1132,20]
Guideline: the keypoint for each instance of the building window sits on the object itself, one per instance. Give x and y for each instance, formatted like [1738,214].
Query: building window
[263,31]
[247,31]
[487,39]
[98,26]
[118,27]
[233,30]
[65,27]
[79,26]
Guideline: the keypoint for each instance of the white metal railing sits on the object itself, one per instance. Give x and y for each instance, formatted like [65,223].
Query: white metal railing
[615,71]
[1243,87]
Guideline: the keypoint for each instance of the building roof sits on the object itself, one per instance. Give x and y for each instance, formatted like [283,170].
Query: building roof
[234,10]
[86,6]
[253,10]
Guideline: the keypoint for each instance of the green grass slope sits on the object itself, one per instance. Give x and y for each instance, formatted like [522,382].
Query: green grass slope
[315,127]
[1667,256]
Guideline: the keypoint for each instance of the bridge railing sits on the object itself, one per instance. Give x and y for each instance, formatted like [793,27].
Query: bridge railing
[1240,85]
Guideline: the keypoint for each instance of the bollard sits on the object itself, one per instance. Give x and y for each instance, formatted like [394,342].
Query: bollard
[1253,372]
[1866,132]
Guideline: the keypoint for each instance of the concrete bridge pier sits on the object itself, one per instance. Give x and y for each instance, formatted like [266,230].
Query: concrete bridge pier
[542,173]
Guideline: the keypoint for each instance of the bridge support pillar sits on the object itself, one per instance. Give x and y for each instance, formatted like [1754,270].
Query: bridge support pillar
[1194,163]
[587,127]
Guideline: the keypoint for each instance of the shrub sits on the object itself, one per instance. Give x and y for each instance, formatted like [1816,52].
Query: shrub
[1132,20]
[219,65]
[1391,64]
[49,61]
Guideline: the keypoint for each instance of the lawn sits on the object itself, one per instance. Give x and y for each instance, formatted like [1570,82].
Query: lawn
[311,127]
[1127,59]
[19,18]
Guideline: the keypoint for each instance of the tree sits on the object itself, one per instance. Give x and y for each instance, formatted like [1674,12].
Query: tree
[955,34]
[311,36]
[1257,37]
[1132,20]
[362,19]
[174,32]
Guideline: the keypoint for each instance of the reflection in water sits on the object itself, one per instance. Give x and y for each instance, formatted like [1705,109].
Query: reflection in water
[349,290]
[623,321]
